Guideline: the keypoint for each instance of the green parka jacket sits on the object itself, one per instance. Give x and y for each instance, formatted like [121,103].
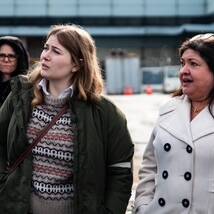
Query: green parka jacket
[103,154]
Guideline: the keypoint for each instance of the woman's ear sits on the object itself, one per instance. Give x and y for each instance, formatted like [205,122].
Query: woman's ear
[75,68]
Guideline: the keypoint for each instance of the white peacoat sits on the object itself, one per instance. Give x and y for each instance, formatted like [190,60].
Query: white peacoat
[177,174]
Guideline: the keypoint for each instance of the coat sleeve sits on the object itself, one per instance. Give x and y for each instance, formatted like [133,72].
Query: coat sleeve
[119,163]
[5,115]
[146,187]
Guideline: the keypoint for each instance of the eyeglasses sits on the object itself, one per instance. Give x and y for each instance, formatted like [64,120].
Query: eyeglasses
[205,36]
[10,57]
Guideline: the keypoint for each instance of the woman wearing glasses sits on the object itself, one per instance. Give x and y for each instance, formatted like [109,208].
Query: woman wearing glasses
[177,174]
[13,61]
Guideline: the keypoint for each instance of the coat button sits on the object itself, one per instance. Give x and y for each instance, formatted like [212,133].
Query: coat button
[185,202]
[165,174]
[161,202]
[167,147]
[187,176]
[189,149]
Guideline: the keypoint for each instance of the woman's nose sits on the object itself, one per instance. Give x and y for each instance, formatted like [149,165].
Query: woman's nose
[45,55]
[6,59]
[184,69]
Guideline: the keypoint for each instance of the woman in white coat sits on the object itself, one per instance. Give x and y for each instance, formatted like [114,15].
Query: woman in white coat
[177,173]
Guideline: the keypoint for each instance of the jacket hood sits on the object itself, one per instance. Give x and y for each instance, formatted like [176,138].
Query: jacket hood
[23,56]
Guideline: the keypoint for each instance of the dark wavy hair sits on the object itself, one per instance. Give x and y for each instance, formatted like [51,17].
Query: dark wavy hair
[203,44]
[23,57]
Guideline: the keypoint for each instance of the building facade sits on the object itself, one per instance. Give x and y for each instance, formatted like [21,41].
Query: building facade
[152,29]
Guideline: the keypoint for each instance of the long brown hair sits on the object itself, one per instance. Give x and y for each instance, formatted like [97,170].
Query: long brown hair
[88,79]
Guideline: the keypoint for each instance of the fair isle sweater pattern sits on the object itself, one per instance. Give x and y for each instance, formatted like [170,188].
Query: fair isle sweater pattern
[52,177]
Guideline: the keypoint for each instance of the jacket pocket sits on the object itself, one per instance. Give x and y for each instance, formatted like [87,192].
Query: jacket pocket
[210,196]
[211,185]
[3,180]
[104,210]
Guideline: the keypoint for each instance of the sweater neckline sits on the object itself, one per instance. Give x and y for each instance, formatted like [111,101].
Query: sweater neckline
[58,102]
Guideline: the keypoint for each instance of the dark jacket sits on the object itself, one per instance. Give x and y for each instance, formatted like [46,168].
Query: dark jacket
[22,63]
[103,141]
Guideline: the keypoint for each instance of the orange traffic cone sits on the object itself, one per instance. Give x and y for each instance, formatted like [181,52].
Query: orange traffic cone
[149,90]
[128,90]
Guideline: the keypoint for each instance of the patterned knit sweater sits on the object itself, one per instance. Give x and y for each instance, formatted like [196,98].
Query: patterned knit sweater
[52,178]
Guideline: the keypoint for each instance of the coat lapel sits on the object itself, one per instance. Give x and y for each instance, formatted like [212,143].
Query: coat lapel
[202,124]
[177,121]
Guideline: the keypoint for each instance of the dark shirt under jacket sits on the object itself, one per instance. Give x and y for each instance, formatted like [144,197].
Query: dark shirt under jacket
[4,91]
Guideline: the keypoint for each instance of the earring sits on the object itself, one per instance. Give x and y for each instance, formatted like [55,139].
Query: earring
[74,69]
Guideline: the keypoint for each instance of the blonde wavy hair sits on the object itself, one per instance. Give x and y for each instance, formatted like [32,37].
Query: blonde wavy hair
[88,79]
